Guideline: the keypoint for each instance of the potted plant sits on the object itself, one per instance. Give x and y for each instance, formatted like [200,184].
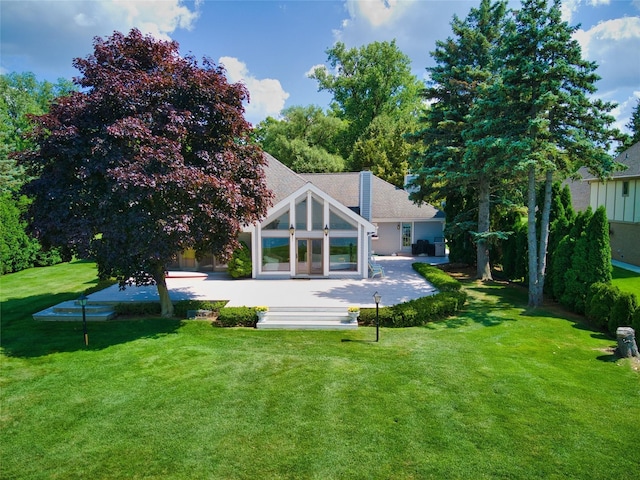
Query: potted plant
[261,311]
[353,312]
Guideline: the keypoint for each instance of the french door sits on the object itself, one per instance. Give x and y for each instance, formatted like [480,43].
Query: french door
[309,256]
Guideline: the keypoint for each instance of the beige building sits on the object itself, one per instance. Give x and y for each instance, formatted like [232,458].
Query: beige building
[621,197]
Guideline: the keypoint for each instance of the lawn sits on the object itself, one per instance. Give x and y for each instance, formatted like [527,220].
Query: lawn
[499,392]
[627,280]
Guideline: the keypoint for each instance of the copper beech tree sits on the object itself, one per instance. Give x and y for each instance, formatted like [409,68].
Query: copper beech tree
[151,157]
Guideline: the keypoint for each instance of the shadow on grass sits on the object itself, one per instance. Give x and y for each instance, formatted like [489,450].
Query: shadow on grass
[24,337]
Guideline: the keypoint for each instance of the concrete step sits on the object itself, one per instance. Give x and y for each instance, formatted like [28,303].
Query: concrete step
[307,318]
[72,312]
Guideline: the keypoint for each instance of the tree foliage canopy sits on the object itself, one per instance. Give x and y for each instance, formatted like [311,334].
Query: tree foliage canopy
[152,157]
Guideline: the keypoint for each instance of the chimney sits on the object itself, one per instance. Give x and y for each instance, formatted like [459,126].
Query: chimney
[366,194]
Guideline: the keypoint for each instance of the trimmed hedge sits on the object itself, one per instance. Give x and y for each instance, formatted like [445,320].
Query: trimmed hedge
[181,308]
[237,317]
[421,311]
[416,313]
[436,277]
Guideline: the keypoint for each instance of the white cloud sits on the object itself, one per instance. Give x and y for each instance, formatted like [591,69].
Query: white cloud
[267,97]
[69,27]
[378,12]
[310,72]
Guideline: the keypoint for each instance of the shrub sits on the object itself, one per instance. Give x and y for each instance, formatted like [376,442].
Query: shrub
[240,265]
[138,308]
[436,277]
[622,312]
[181,308]
[635,322]
[600,301]
[418,312]
[237,317]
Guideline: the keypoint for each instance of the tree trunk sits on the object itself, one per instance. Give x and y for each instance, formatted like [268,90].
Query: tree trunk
[484,212]
[544,233]
[163,292]
[535,293]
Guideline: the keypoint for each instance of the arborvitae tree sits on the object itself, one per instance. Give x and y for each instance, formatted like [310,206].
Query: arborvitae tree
[566,283]
[599,254]
[453,156]
[461,220]
[561,220]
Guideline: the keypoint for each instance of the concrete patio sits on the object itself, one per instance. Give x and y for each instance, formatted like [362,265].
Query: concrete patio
[400,284]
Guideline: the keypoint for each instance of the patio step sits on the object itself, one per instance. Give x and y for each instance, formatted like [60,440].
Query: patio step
[72,312]
[307,318]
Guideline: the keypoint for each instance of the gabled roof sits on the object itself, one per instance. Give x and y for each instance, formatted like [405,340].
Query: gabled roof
[389,201]
[281,180]
[630,157]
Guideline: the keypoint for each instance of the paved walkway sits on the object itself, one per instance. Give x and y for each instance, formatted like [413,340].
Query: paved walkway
[626,266]
[400,284]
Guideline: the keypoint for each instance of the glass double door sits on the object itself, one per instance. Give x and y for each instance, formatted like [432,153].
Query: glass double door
[309,256]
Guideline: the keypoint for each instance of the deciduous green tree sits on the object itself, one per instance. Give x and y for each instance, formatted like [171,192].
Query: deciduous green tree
[305,139]
[151,158]
[373,80]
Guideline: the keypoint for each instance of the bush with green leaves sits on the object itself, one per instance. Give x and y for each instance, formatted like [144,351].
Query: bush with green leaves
[436,277]
[600,301]
[240,265]
[622,312]
[237,317]
[181,307]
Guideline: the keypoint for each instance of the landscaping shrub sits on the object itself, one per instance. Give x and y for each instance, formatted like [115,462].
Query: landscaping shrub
[239,265]
[138,308]
[635,322]
[418,312]
[436,277]
[622,312]
[237,317]
[600,301]
[181,308]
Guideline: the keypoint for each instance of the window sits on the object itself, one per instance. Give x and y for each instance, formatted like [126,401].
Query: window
[301,215]
[343,254]
[625,189]
[280,223]
[275,255]
[338,222]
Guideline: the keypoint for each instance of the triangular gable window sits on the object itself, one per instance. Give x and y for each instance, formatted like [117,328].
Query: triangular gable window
[280,223]
[338,222]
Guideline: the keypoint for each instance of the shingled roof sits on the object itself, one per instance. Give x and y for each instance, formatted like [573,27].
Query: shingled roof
[630,157]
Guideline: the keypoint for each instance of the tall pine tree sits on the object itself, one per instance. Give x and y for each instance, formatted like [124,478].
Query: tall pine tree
[447,165]
[549,122]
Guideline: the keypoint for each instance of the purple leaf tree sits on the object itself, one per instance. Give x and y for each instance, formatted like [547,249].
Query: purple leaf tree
[153,156]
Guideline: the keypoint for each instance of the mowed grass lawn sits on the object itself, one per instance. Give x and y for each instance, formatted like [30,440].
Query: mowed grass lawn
[498,392]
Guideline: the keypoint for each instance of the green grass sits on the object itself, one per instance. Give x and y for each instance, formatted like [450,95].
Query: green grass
[499,392]
[627,280]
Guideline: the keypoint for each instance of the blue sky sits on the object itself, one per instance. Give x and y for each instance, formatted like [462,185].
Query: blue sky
[271,45]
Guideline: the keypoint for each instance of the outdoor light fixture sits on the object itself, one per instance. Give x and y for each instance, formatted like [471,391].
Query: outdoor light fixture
[82,301]
[326,230]
[292,230]
[376,298]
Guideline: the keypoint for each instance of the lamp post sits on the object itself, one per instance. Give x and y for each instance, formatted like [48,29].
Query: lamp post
[377,297]
[82,301]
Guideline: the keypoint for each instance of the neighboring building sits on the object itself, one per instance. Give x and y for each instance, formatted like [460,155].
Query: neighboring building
[328,225]
[621,197]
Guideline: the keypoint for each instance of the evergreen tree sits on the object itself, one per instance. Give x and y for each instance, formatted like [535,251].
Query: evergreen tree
[549,121]
[453,157]
[634,126]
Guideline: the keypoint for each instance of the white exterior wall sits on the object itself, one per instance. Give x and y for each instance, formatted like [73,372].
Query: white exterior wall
[619,208]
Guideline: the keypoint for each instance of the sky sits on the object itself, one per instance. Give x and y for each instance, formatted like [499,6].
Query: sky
[272,45]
